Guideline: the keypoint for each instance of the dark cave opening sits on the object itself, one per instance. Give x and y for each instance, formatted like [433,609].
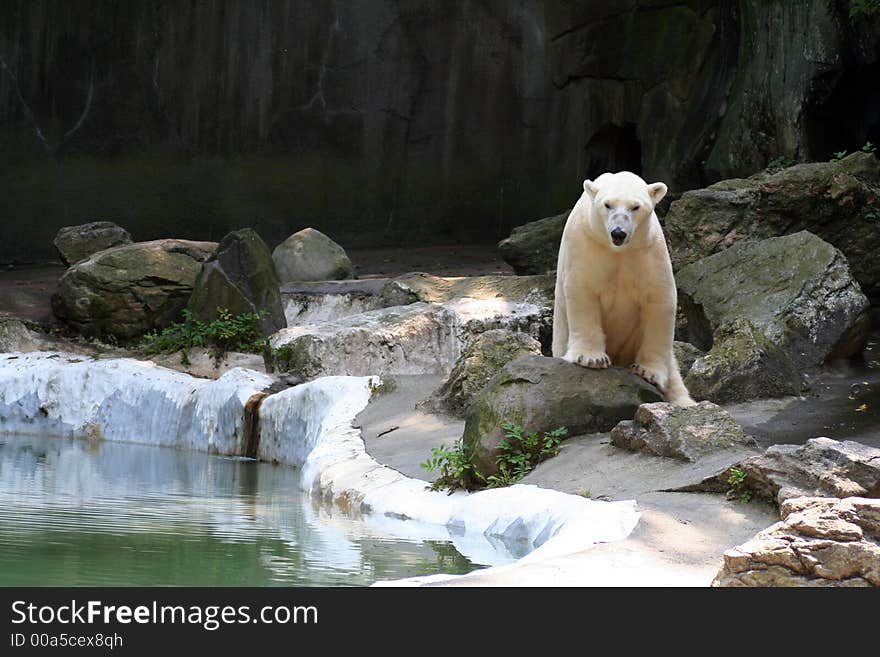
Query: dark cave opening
[843,113]
[613,148]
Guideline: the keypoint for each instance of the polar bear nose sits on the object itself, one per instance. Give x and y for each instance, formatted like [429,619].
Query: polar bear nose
[618,236]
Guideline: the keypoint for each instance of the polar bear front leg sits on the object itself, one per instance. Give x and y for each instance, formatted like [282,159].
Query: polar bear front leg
[654,356]
[586,339]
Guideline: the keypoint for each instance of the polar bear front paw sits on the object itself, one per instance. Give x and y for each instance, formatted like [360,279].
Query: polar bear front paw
[650,375]
[596,360]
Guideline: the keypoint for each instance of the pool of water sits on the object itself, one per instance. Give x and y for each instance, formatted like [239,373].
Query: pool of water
[76,513]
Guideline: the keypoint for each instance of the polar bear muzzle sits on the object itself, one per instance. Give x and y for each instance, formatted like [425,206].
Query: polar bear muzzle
[621,225]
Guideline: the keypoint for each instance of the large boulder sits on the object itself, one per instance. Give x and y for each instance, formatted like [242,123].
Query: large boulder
[240,277]
[684,433]
[75,243]
[124,292]
[818,542]
[541,394]
[742,365]
[309,255]
[797,290]
[478,363]
[838,201]
[821,467]
[533,248]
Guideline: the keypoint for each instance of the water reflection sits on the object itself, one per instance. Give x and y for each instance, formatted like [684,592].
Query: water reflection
[99,514]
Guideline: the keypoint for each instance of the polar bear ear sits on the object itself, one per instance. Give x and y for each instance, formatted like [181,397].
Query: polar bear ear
[591,188]
[657,191]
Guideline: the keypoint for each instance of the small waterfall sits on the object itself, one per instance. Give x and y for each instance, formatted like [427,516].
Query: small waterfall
[250,439]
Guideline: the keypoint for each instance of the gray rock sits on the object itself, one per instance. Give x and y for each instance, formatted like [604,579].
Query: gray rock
[123,292]
[685,354]
[834,200]
[818,542]
[418,338]
[18,335]
[821,467]
[533,248]
[686,434]
[742,365]
[239,277]
[541,394]
[480,361]
[309,255]
[75,243]
[797,290]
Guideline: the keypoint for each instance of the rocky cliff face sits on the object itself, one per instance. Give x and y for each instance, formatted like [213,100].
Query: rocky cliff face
[403,120]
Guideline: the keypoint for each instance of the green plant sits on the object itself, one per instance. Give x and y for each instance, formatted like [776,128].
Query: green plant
[780,162]
[863,8]
[456,469]
[521,452]
[868,147]
[736,479]
[839,155]
[226,333]
[858,8]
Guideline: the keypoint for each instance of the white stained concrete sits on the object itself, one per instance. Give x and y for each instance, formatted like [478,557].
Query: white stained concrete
[308,426]
[490,526]
[124,400]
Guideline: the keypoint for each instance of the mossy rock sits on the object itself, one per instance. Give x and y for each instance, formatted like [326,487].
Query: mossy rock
[837,201]
[541,394]
[797,290]
[742,365]
[478,363]
[309,255]
[124,292]
[240,277]
[533,248]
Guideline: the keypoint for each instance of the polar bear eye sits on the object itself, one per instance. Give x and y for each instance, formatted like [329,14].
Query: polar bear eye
[635,208]
[607,205]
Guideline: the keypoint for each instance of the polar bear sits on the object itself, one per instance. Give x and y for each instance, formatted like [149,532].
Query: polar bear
[615,293]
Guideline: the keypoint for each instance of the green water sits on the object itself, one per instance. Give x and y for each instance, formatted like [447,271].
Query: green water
[108,514]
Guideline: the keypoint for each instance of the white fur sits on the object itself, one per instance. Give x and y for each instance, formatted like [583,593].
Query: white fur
[615,305]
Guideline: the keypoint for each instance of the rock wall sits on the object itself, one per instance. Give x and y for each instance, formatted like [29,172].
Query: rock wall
[402,121]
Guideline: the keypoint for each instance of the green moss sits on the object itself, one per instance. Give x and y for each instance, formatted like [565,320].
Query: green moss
[295,357]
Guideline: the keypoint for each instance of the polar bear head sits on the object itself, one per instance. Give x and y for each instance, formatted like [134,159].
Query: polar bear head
[622,205]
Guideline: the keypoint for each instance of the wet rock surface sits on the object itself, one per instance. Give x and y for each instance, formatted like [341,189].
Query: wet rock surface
[797,290]
[818,542]
[687,434]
